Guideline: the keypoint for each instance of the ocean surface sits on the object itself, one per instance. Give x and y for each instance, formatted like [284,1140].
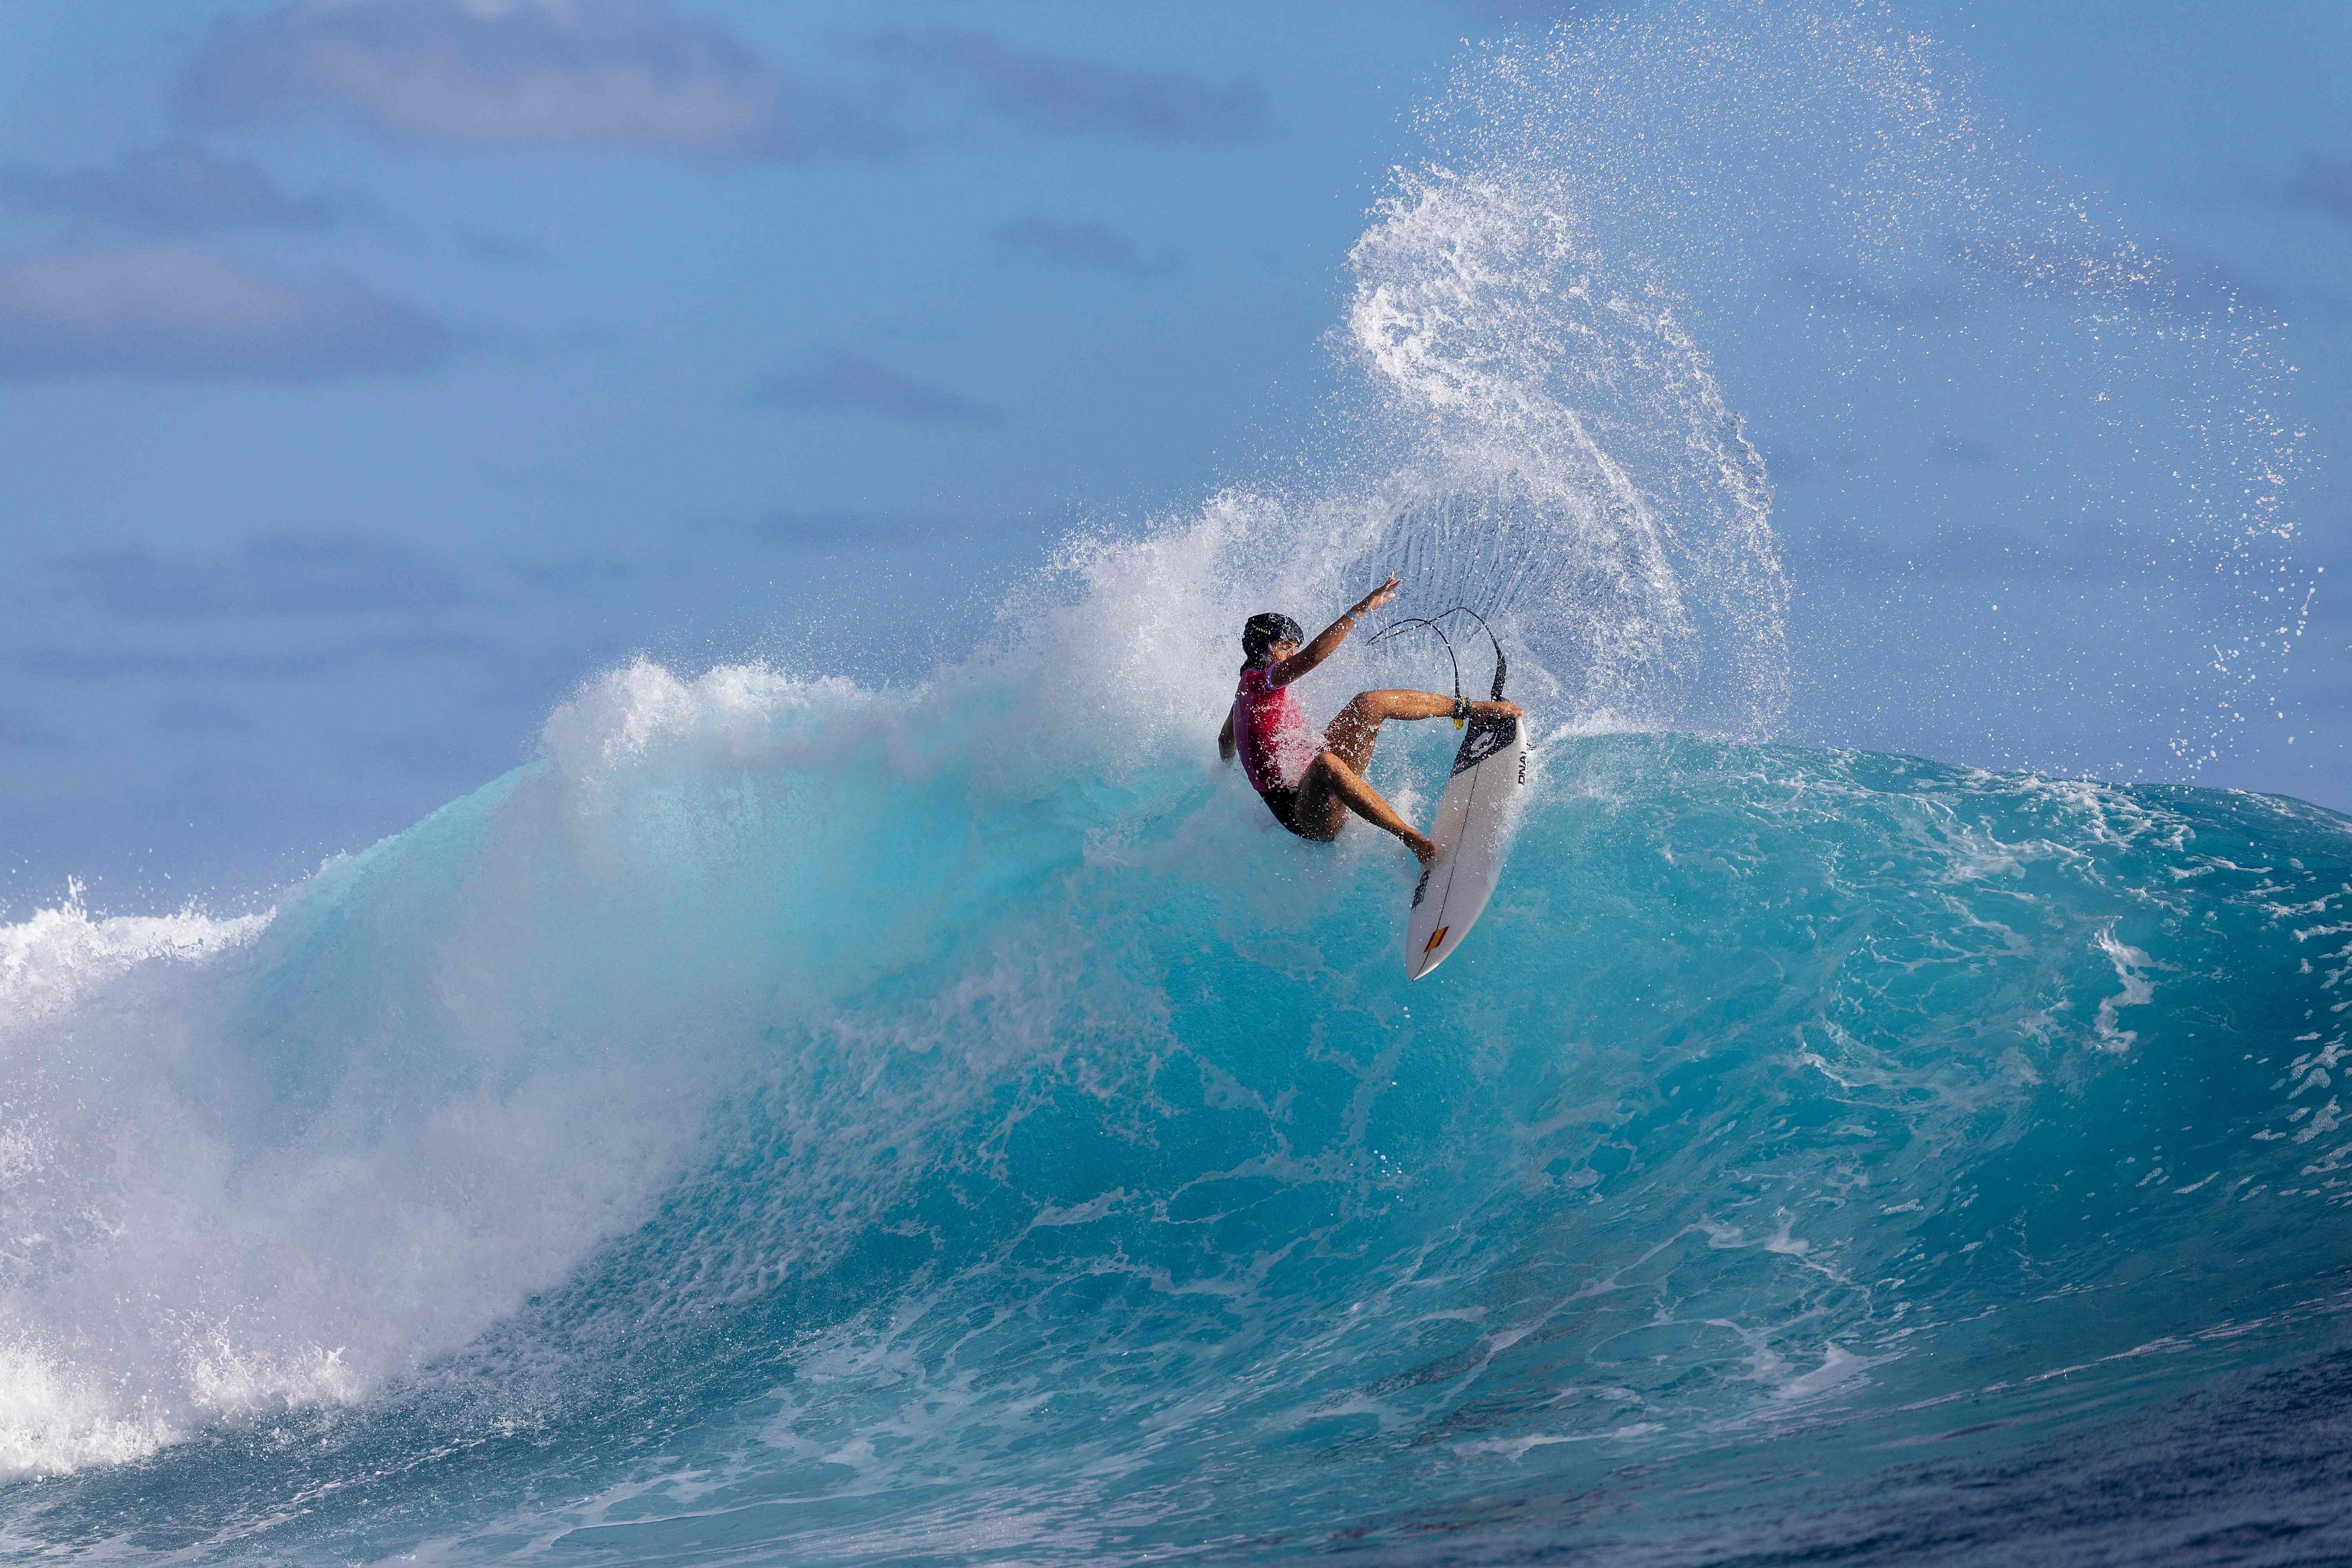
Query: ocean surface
[818,1118]
[772,1130]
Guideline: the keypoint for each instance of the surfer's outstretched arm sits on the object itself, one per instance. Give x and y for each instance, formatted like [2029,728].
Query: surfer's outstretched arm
[1327,641]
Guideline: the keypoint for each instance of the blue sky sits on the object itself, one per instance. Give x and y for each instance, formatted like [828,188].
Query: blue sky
[372,372]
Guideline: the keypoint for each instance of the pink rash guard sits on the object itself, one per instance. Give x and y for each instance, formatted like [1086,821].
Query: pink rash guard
[1271,731]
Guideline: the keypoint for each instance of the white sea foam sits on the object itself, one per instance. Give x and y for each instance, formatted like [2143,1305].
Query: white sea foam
[271,1162]
[52,960]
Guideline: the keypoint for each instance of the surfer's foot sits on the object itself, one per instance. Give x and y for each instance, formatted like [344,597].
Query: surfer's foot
[1423,850]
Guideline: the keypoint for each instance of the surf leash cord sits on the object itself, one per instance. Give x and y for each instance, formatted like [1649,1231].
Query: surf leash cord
[1502,664]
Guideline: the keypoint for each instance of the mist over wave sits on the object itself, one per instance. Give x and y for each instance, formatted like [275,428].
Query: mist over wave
[2033,470]
[790,1120]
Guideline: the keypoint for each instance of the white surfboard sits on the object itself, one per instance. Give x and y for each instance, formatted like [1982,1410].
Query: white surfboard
[1473,817]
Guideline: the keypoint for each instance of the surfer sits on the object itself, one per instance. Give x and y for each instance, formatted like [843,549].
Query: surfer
[1311,781]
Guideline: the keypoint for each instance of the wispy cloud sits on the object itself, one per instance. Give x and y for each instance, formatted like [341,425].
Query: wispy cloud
[1538,10]
[1959,452]
[2321,185]
[575,575]
[174,189]
[835,382]
[307,661]
[2041,265]
[517,73]
[2126,274]
[1958,554]
[634,74]
[23,731]
[174,311]
[1076,98]
[498,250]
[1859,296]
[429,751]
[828,530]
[201,716]
[274,576]
[1082,244]
[2324,186]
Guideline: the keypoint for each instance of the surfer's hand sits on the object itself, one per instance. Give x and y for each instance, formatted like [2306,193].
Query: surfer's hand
[1496,709]
[1377,597]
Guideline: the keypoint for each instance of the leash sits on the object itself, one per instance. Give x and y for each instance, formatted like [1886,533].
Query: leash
[1502,664]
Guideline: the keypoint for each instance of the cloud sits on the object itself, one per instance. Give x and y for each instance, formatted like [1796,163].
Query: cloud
[2203,284]
[1537,10]
[201,716]
[1847,292]
[2323,185]
[574,575]
[436,752]
[2124,274]
[828,530]
[1964,554]
[2318,185]
[23,731]
[306,662]
[840,383]
[274,576]
[517,73]
[1073,98]
[2033,265]
[1812,465]
[498,250]
[1082,244]
[171,311]
[1957,452]
[173,189]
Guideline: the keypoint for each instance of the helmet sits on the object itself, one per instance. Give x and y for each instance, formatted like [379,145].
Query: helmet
[1262,631]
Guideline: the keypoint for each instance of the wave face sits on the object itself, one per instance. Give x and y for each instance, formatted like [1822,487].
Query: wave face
[795,1123]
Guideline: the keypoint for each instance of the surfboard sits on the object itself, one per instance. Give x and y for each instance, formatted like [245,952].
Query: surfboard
[1473,817]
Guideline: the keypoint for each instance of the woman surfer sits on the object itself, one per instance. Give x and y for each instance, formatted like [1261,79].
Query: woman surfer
[1311,781]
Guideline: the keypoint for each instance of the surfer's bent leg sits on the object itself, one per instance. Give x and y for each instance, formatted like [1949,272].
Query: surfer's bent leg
[1330,789]
[1351,735]
[1334,782]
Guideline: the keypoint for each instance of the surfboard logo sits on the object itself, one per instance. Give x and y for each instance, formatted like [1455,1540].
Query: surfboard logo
[1435,937]
[1488,735]
[1421,887]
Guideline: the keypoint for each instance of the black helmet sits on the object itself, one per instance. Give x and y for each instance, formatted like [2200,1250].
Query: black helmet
[1262,631]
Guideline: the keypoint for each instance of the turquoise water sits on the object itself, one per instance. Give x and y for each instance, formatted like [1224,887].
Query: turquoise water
[771,1130]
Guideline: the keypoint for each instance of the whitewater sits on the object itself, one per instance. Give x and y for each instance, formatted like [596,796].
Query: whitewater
[803,1117]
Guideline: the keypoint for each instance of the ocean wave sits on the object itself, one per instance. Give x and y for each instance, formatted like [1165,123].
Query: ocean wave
[793,1119]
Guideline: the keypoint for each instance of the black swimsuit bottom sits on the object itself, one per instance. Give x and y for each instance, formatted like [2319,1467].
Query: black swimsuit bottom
[1284,802]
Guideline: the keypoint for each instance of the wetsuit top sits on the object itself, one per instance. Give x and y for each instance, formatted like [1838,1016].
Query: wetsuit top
[1271,732]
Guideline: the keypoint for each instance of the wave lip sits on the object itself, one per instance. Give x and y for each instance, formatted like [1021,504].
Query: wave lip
[51,961]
